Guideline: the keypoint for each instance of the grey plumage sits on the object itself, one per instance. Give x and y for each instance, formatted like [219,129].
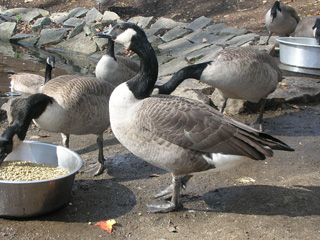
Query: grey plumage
[235,72]
[178,134]
[115,69]
[69,105]
[304,27]
[281,20]
[31,83]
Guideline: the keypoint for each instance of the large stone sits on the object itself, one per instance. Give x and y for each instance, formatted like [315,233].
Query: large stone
[22,36]
[78,12]
[78,43]
[174,33]
[200,23]
[92,16]
[38,25]
[73,22]
[30,16]
[58,17]
[78,29]
[167,23]
[172,66]
[7,30]
[242,39]
[52,36]
[110,16]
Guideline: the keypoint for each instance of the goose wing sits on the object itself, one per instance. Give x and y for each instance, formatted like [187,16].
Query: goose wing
[192,125]
[291,12]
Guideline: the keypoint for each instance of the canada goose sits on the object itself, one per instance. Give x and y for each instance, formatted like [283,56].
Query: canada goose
[31,83]
[304,27]
[177,134]
[281,19]
[105,3]
[68,104]
[235,72]
[115,70]
[316,30]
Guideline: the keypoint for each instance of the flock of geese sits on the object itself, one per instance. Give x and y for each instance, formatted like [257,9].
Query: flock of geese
[180,135]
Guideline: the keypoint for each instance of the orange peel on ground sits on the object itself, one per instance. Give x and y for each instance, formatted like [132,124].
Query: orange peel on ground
[106,225]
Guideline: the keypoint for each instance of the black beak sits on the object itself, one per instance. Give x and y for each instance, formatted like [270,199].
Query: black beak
[104,35]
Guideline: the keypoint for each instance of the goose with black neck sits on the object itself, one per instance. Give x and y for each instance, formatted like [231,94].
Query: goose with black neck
[177,134]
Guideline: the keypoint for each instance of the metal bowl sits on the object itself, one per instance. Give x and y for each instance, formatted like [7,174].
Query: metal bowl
[299,52]
[32,198]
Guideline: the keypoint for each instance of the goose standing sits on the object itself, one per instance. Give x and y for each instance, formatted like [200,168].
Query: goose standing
[316,30]
[281,19]
[115,70]
[68,104]
[177,134]
[32,83]
[235,72]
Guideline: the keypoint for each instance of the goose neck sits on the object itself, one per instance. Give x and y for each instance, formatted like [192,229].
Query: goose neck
[143,83]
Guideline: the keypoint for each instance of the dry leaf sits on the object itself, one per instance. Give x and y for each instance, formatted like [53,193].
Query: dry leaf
[107,225]
[154,175]
[283,84]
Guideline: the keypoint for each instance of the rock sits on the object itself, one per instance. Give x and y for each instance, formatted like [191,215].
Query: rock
[174,33]
[242,39]
[101,43]
[7,30]
[78,42]
[110,16]
[22,36]
[200,23]
[58,17]
[73,22]
[20,11]
[172,66]
[30,16]
[209,52]
[216,28]
[92,16]
[78,29]
[233,31]
[167,23]
[52,36]
[78,12]
[38,25]
[174,45]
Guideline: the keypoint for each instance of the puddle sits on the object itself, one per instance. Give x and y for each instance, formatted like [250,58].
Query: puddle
[32,60]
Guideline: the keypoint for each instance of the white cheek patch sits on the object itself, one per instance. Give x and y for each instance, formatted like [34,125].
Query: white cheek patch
[125,37]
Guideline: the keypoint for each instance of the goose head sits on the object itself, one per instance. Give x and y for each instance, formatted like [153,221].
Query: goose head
[316,30]
[51,61]
[128,34]
[9,141]
[274,9]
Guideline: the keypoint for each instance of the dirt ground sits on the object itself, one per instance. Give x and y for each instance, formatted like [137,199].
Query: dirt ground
[273,199]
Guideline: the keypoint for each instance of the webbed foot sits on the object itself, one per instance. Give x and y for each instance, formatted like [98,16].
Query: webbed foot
[94,169]
[162,207]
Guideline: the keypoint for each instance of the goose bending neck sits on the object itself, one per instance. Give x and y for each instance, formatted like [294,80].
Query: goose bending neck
[32,108]
[193,71]
[143,83]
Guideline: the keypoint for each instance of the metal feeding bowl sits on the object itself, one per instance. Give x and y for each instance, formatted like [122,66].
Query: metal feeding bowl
[299,52]
[32,198]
